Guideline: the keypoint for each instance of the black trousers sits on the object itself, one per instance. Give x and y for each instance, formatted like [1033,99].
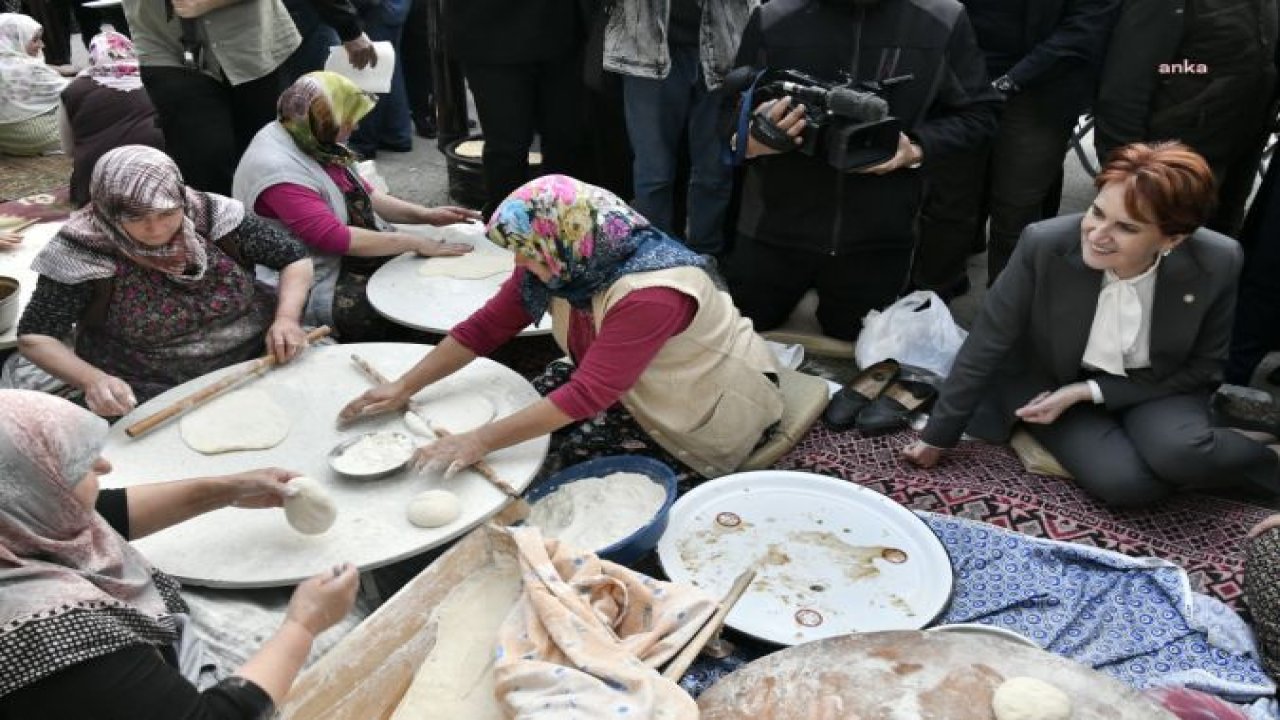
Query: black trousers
[518,100]
[1257,326]
[1143,454]
[767,281]
[1009,182]
[207,124]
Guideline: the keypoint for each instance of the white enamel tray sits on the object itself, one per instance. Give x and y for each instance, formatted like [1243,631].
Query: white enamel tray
[832,557]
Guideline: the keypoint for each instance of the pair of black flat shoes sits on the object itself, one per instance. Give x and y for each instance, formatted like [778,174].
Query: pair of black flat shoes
[878,400]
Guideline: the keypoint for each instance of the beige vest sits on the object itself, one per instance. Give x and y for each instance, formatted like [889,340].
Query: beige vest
[704,397]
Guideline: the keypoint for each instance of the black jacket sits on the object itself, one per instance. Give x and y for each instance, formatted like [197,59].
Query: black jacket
[799,201]
[503,32]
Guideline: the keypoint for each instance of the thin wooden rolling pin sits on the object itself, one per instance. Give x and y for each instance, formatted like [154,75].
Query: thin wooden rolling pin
[677,667]
[483,467]
[262,364]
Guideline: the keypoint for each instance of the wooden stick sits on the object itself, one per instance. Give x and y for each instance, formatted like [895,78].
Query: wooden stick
[676,669]
[261,365]
[17,229]
[482,467]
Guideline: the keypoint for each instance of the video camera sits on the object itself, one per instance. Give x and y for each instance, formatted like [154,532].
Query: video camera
[847,124]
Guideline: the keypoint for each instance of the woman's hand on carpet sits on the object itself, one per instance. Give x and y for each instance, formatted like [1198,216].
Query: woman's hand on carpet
[448,215]
[1048,406]
[921,454]
[438,248]
[9,240]
[109,396]
[1265,525]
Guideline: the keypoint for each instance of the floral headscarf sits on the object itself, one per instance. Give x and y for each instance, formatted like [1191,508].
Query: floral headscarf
[113,62]
[28,87]
[70,587]
[316,108]
[585,235]
[130,182]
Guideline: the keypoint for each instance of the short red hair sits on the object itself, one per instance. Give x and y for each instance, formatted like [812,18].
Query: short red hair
[1166,184]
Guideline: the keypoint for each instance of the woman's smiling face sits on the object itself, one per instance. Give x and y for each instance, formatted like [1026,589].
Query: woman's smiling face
[1112,239]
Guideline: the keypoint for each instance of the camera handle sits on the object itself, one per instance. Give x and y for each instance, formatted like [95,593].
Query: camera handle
[734,156]
[767,132]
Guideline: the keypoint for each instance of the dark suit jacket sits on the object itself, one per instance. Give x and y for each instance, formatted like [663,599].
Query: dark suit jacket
[1031,333]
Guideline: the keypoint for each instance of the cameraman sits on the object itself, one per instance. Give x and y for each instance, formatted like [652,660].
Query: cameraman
[805,224]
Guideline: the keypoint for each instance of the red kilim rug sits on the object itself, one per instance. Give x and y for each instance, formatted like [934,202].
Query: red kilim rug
[984,482]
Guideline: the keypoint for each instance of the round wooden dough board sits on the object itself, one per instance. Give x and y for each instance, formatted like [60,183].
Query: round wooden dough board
[909,674]
[233,547]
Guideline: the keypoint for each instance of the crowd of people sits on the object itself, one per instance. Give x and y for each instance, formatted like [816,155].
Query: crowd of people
[856,148]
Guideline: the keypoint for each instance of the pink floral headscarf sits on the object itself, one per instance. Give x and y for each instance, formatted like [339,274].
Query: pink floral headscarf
[113,62]
[70,587]
[28,87]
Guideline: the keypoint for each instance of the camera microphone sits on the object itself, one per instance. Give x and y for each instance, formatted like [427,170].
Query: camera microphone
[860,106]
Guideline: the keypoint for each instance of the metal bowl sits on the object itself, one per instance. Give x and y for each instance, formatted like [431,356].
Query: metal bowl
[342,447]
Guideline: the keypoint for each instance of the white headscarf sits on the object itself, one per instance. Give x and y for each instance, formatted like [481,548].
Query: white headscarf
[28,87]
[71,588]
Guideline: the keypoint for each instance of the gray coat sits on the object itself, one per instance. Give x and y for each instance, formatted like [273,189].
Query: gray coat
[1031,333]
[635,37]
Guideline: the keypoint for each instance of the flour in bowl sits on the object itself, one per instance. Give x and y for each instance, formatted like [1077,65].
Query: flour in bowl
[374,453]
[594,513]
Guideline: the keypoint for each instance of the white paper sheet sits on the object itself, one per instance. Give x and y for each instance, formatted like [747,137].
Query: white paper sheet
[375,79]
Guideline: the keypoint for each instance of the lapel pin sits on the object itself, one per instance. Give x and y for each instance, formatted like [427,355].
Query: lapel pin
[1188,298]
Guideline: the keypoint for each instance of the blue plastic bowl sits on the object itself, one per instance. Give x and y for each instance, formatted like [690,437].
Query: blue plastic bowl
[634,546]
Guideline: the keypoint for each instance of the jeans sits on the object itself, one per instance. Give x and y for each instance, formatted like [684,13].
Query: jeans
[317,38]
[658,112]
[388,124]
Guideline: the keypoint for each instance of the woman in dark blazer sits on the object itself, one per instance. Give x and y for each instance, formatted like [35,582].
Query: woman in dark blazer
[1106,334]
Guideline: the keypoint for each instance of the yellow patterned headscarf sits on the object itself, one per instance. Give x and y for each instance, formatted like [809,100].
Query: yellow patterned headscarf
[315,109]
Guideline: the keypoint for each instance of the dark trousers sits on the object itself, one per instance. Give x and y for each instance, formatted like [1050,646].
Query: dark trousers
[317,38]
[767,282]
[1010,183]
[415,58]
[207,124]
[54,17]
[1141,455]
[1257,324]
[516,101]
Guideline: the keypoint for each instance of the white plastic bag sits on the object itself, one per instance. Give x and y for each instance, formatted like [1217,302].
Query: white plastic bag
[916,330]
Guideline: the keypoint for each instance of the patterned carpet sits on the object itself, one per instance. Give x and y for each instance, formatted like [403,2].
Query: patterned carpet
[41,207]
[23,176]
[1203,534]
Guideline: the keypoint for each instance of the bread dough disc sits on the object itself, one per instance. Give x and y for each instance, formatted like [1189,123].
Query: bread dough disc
[471,266]
[242,420]
[434,508]
[311,511]
[459,412]
[1026,698]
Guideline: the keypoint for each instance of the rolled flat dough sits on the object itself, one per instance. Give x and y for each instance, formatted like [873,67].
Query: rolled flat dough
[471,266]
[242,420]
[459,412]
[434,508]
[456,680]
[311,511]
[1027,698]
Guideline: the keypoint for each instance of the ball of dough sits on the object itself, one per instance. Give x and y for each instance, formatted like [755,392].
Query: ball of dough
[1026,698]
[311,511]
[434,508]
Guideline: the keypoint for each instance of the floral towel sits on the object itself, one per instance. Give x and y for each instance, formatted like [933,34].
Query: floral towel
[586,636]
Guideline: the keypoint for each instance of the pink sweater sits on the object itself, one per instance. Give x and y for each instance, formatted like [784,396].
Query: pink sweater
[307,214]
[608,364]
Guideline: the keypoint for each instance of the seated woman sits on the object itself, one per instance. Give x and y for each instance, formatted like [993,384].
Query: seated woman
[1106,334]
[662,361]
[103,108]
[29,89]
[87,626]
[299,171]
[157,280]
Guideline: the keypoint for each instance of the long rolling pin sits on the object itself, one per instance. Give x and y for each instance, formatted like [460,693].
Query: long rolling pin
[262,364]
[483,467]
[677,667]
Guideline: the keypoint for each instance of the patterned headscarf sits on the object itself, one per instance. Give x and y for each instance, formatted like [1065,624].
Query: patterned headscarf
[113,62]
[316,108]
[28,87]
[585,235]
[70,587]
[128,183]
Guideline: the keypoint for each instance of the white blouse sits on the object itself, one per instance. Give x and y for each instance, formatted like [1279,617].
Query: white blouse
[1120,338]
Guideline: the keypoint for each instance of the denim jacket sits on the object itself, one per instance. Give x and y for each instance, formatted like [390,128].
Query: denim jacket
[635,37]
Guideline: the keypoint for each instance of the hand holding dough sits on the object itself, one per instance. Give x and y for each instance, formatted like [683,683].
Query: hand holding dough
[1026,698]
[310,510]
